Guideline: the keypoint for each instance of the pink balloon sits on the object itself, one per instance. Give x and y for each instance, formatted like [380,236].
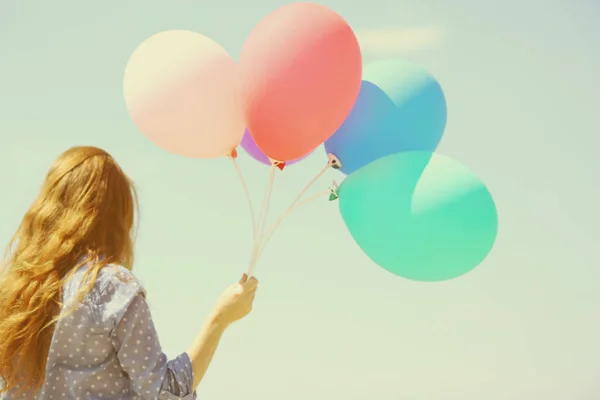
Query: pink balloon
[256,153]
[300,74]
[180,90]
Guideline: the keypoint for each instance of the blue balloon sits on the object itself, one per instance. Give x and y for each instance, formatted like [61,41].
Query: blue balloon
[401,107]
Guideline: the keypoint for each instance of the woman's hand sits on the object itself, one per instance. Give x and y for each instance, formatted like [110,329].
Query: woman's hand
[236,301]
[234,304]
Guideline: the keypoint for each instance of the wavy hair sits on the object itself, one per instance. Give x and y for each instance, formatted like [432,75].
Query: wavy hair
[84,213]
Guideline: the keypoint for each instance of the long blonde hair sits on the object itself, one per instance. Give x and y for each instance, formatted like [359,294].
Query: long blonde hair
[84,214]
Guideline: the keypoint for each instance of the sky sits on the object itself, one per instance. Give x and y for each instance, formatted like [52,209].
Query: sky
[521,83]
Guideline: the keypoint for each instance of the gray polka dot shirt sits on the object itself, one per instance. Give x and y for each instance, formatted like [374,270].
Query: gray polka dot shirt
[108,348]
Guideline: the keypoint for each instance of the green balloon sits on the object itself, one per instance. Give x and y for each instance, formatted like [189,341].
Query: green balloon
[420,215]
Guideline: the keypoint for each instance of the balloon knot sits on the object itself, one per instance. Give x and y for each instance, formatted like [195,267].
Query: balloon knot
[333,191]
[334,162]
[280,165]
[233,153]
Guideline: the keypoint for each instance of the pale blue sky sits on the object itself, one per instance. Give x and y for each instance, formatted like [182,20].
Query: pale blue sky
[522,87]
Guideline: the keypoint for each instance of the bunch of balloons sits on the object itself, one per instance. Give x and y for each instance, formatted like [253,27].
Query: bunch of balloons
[299,83]
[415,213]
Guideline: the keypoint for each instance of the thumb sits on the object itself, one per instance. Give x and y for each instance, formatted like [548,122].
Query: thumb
[251,284]
[244,278]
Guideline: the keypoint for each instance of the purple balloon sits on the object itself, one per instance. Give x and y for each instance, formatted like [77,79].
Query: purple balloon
[251,148]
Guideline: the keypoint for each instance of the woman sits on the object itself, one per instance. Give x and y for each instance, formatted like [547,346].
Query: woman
[74,322]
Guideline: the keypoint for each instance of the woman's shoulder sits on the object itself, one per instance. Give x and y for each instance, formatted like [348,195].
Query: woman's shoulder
[117,275]
[109,277]
[113,290]
[117,281]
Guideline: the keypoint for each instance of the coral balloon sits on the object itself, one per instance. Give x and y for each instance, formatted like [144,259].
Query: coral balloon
[180,91]
[300,74]
[419,215]
[256,153]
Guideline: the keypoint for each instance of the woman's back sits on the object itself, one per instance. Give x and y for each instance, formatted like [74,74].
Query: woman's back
[69,331]
[107,348]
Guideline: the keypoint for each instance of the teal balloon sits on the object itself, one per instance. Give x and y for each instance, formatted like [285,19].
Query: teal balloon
[420,215]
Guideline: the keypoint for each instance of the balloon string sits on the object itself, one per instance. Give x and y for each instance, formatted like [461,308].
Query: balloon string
[264,240]
[255,251]
[264,202]
[263,224]
[262,219]
[248,197]
[308,186]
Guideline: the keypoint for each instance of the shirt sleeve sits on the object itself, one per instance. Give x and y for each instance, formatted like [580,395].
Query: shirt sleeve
[139,352]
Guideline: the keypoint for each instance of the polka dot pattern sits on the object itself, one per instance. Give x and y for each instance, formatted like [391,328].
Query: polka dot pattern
[108,348]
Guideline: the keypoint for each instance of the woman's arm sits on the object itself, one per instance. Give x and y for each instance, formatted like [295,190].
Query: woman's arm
[140,356]
[201,352]
[234,304]
[139,352]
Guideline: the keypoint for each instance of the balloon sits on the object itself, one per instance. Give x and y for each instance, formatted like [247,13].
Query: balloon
[374,129]
[419,215]
[180,91]
[371,130]
[300,72]
[252,149]
[419,98]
